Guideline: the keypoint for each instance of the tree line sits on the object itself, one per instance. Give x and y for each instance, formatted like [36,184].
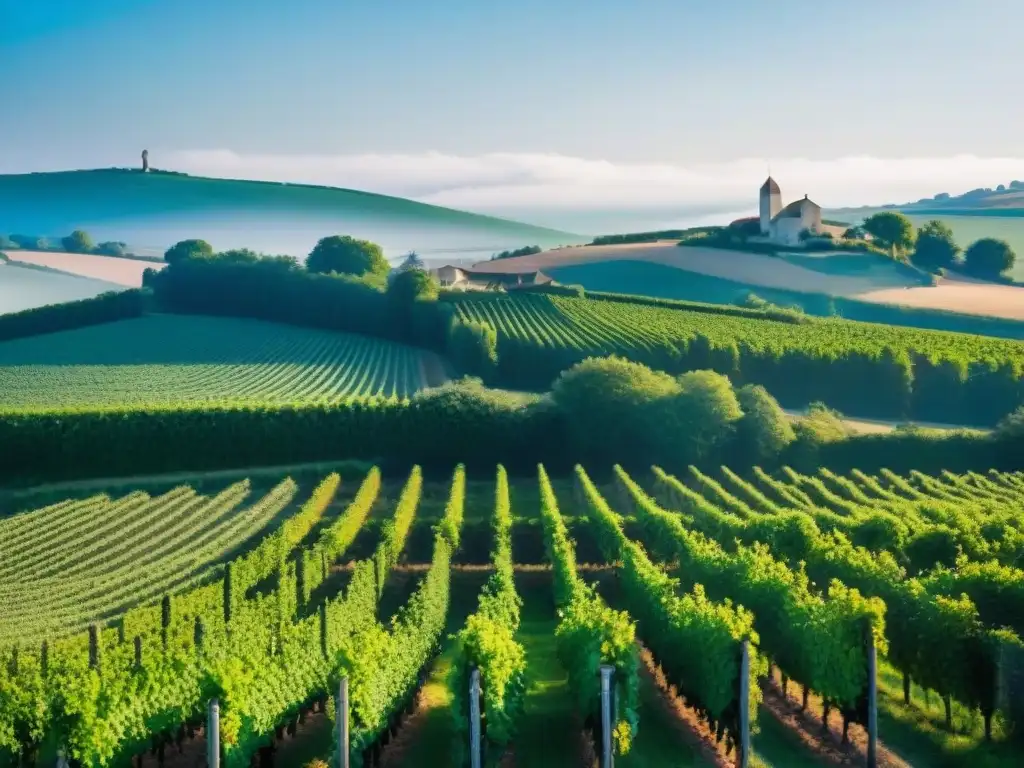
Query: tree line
[78,241]
[933,246]
[600,412]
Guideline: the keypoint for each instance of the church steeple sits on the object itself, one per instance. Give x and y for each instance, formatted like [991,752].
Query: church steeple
[770,204]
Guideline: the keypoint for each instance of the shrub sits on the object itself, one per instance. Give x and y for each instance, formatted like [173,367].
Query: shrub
[764,431]
[935,247]
[347,256]
[473,347]
[188,249]
[525,251]
[112,248]
[614,407]
[78,241]
[989,258]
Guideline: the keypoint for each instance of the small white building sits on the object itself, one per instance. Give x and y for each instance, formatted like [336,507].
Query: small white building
[784,224]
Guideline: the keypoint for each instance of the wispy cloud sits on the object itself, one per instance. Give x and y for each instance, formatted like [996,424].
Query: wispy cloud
[516,182]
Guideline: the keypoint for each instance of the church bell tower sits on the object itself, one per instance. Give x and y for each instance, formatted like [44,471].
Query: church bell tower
[771,204]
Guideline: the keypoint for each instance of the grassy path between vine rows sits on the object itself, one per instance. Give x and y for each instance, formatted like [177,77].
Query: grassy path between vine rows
[549,734]
[426,738]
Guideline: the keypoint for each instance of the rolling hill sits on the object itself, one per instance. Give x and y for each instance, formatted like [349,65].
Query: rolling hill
[152,210]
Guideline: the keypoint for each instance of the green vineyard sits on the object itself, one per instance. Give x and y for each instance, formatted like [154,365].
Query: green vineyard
[860,368]
[168,359]
[124,614]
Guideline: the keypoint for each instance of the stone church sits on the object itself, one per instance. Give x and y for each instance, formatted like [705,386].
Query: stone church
[784,224]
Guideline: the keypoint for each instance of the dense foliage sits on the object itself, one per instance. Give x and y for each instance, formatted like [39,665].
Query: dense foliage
[488,643]
[590,634]
[105,308]
[862,369]
[869,534]
[708,672]
[347,255]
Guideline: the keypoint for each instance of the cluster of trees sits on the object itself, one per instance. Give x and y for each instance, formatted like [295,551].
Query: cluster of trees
[78,241]
[525,251]
[600,412]
[345,285]
[933,247]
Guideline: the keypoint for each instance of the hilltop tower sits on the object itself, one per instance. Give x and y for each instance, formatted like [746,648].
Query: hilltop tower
[771,204]
[145,160]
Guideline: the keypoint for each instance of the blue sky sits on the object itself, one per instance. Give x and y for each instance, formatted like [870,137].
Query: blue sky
[414,97]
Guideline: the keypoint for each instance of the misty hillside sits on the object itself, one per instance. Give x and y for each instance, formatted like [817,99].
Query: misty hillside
[1003,200]
[153,210]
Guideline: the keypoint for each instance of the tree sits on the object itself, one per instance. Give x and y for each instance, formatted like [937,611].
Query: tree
[989,257]
[188,249]
[890,230]
[616,408]
[935,246]
[112,248]
[412,260]
[854,233]
[413,285]
[77,242]
[347,256]
[764,431]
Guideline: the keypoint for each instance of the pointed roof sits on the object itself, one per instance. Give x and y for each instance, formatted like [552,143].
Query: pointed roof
[770,187]
[795,209]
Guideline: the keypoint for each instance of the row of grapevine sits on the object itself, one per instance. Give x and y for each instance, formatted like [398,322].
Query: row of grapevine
[125,693]
[927,374]
[935,637]
[488,643]
[696,641]
[821,642]
[230,361]
[589,633]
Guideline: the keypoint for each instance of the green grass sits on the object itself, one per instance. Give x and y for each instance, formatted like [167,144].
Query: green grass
[918,733]
[549,734]
[658,743]
[162,359]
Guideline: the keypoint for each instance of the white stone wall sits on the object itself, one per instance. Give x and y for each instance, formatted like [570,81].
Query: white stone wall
[787,231]
[770,206]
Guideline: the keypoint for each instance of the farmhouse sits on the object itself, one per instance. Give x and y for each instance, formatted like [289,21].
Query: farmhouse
[784,224]
[459,279]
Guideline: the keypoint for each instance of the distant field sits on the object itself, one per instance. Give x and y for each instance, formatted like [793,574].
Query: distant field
[840,275]
[22,288]
[967,229]
[163,359]
[122,272]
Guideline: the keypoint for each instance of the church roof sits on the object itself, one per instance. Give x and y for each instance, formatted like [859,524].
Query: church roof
[794,209]
[770,187]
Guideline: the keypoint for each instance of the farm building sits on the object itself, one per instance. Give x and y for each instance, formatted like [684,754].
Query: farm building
[460,279]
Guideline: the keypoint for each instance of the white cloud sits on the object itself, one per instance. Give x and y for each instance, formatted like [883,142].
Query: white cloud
[507,182]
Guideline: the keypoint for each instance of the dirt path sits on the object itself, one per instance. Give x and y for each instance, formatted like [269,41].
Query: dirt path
[881,426]
[827,746]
